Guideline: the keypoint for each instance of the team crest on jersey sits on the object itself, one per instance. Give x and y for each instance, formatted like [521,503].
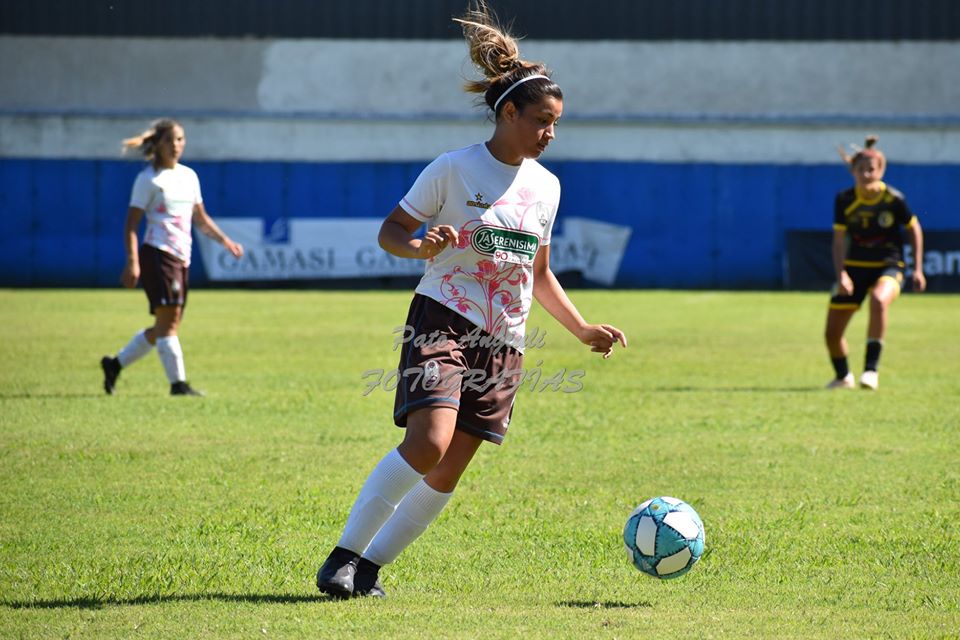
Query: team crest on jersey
[478,202]
[885,219]
[543,213]
[505,245]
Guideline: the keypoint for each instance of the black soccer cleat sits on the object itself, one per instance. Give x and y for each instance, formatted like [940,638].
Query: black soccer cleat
[184,389]
[335,577]
[111,371]
[367,581]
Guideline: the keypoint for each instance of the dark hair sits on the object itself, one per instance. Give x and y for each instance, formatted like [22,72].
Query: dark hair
[147,141]
[495,52]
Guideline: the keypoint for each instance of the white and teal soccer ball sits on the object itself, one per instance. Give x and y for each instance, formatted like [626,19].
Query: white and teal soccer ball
[664,537]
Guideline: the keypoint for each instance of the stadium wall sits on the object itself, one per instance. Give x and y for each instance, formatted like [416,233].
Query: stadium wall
[709,151]
[696,225]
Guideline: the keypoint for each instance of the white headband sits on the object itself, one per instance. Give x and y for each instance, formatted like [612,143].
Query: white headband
[514,86]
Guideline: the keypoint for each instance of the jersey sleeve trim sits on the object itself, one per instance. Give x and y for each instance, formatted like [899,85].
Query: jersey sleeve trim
[911,222]
[840,227]
[413,211]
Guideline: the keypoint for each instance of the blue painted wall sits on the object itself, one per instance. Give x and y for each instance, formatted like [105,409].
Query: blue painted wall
[695,225]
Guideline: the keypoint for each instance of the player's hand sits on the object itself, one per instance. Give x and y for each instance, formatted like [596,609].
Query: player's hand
[436,240]
[919,281]
[130,275]
[601,338]
[845,286]
[235,248]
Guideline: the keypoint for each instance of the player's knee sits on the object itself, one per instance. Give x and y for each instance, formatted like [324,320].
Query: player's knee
[879,300]
[422,452]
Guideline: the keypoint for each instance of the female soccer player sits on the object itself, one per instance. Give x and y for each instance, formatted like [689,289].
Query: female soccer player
[489,210]
[169,194]
[872,215]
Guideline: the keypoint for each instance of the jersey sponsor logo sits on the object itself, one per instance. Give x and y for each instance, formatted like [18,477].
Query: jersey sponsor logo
[505,245]
[478,202]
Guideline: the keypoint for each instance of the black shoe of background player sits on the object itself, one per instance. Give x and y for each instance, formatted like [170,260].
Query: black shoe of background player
[367,581]
[335,577]
[111,371]
[183,389]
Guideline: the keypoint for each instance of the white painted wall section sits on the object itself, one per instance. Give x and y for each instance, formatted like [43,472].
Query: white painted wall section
[371,100]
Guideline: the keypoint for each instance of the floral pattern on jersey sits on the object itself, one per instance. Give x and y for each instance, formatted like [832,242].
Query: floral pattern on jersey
[486,290]
[492,289]
[526,205]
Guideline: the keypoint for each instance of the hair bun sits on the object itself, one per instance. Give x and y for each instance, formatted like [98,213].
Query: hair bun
[871,141]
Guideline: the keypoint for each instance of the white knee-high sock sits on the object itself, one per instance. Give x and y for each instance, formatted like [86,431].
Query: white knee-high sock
[171,355]
[386,485]
[419,508]
[138,347]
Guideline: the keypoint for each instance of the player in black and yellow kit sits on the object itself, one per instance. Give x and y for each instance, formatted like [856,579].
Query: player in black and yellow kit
[868,226]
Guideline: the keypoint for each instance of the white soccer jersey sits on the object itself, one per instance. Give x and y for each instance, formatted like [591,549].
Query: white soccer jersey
[168,197]
[503,215]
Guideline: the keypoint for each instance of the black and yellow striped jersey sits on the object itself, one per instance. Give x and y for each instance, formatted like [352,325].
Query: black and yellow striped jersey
[874,228]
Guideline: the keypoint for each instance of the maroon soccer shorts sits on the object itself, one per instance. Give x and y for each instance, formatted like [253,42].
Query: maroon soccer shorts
[165,278]
[439,368]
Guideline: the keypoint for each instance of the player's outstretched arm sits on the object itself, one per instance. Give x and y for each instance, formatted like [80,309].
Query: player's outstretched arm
[844,283]
[916,240]
[210,229]
[131,270]
[547,290]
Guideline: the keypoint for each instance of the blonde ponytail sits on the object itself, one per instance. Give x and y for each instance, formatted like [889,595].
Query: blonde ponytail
[135,142]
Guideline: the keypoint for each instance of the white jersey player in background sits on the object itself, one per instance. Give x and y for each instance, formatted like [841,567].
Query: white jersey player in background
[168,193]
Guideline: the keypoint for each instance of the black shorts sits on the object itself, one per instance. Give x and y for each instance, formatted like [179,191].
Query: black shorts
[441,365]
[864,279]
[165,278]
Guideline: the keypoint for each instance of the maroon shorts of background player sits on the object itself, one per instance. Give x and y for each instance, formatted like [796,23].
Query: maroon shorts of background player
[480,382]
[165,278]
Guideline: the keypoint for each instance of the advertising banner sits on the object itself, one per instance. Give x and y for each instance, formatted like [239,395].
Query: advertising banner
[808,264]
[330,248]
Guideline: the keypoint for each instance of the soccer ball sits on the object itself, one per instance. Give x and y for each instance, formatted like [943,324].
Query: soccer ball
[664,537]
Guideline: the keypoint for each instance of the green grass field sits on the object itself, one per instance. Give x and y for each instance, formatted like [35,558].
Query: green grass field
[827,514]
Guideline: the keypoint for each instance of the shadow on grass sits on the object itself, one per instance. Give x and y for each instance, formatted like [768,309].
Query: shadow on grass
[99,603]
[63,395]
[738,389]
[31,395]
[607,604]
